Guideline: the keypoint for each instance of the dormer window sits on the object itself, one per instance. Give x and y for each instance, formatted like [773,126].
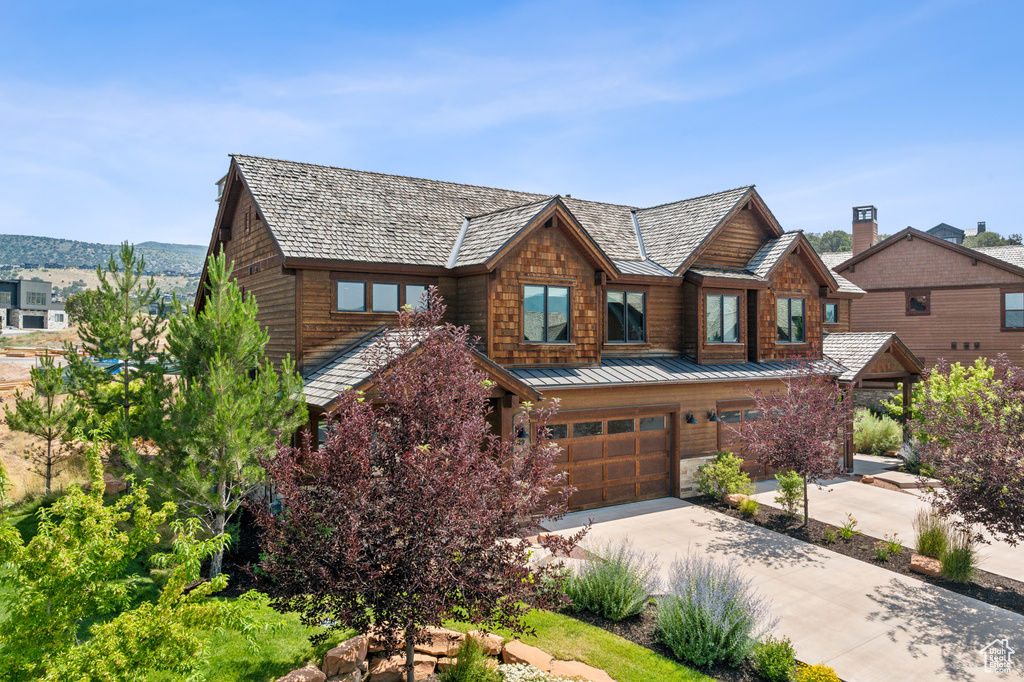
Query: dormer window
[723,318]
[545,314]
[626,315]
[789,317]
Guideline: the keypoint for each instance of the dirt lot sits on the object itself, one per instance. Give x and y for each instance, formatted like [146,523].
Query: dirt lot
[43,339]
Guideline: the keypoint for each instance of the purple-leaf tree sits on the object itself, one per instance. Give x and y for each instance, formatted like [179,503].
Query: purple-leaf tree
[403,518]
[801,428]
[977,450]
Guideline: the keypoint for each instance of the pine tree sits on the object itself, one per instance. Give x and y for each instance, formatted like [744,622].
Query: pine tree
[119,325]
[42,413]
[231,404]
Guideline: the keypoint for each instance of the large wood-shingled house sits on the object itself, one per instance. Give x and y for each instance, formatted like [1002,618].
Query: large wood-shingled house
[651,325]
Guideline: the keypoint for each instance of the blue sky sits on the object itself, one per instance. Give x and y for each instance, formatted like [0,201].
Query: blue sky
[117,118]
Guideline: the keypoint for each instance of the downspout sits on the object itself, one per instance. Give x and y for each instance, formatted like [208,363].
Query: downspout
[454,257]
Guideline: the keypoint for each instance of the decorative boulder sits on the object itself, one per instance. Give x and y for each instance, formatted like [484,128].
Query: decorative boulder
[354,676]
[488,641]
[517,652]
[445,662]
[925,565]
[867,479]
[734,499]
[346,657]
[393,669]
[112,484]
[441,642]
[575,669]
[310,673]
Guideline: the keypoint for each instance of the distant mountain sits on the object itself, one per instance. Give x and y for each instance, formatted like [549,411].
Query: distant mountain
[23,250]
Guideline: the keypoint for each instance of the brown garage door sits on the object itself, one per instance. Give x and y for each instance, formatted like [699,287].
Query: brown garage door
[616,459]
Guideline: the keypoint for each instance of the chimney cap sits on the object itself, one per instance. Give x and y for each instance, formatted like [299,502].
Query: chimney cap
[865,214]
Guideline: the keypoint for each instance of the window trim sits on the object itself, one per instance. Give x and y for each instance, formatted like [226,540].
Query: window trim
[625,329]
[522,312]
[398,297]
[824,316]
[790,298]
[740,317]
[911,293]
[366,296]
[368,280]
[1002,308]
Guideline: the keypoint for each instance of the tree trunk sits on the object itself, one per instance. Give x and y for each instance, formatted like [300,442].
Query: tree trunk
[806,517]
[220,521]
[49,465]
[410,655]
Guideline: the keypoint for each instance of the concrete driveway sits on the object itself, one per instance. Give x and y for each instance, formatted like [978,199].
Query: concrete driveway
[866,622]
[879,512]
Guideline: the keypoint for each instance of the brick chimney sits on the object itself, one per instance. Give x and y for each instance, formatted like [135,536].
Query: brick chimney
[865,228]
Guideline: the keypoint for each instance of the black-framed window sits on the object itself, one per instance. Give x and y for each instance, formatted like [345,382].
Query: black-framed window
[790,320]
[384,297]
[414,294]
[722,318]
[5,298]
[35,298]
[545,313]
[58,317]
[831,313]
[627,313]
[351,297]
[1013,310]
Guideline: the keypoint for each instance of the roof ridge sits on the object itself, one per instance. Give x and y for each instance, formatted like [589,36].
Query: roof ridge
[702,196]
[513,208]
[387,175]
[600,203]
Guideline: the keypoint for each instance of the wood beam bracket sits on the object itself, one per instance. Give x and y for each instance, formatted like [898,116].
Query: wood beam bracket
[600,278]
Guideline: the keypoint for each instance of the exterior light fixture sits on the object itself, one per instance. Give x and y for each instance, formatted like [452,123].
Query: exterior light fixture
[713,416]
[690,419]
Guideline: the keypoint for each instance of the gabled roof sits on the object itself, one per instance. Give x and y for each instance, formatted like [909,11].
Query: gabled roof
[337,214]
[846,287]
[856,351]
[1004,260]
[945,227]
[771,254]
[1014,255]
[351,369]
[673,232]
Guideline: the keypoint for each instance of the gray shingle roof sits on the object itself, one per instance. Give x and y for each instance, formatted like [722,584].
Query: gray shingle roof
[665,369]
[769,254]
[673,231]
[831,260]
[349,369]
[332,213]
[1014,255]
[854,350]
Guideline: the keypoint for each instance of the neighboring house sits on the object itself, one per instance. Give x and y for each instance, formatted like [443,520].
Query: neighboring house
[26,304]
[943,299]
[652,326]
[948,233]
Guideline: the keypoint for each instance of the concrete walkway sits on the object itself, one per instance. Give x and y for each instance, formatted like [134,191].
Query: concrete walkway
[865,621]
[879,512]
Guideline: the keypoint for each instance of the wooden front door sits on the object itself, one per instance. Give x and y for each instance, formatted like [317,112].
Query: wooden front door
[615,460]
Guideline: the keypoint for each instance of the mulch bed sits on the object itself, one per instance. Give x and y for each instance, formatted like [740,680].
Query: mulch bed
[988,587]
[641,629]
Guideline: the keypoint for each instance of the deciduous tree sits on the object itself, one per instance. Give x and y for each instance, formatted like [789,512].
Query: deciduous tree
[47,413]
[976,449]
[231,404]
[802,428]
[402,518]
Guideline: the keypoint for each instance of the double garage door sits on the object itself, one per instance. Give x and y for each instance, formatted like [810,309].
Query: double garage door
[616,459]
[32,321]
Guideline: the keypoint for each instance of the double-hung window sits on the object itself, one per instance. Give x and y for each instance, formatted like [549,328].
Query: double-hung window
[723,318]
[626,314]
[1013,310]
[545,313]
[789,317]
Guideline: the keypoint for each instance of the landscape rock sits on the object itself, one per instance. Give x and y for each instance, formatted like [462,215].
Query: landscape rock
[445,662]
[393,669]
[926,565]
[310,673]
[734,499]
[867,479]
[346,657]
[112,484]
[354,676]
[488,641]
[577,669]
[441,642]
[517,652]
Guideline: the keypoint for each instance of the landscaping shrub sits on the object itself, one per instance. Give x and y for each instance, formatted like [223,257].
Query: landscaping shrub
[960,559]
[522,672]
[749,507]
[932,533]
[849,529]
[722,475]
[791,492]
[816,673]
[875,435]
[470,665]
[913,463]
[616,584]
[711,613]
[775,659]
[881,551]
[830,536]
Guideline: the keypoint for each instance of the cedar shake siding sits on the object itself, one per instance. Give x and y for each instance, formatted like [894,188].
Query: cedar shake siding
[792,280]
[735,243]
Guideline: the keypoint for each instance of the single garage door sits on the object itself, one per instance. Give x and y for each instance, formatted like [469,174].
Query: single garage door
[616,459]
[32,321]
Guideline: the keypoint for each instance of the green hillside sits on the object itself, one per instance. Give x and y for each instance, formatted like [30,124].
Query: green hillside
[20,250]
